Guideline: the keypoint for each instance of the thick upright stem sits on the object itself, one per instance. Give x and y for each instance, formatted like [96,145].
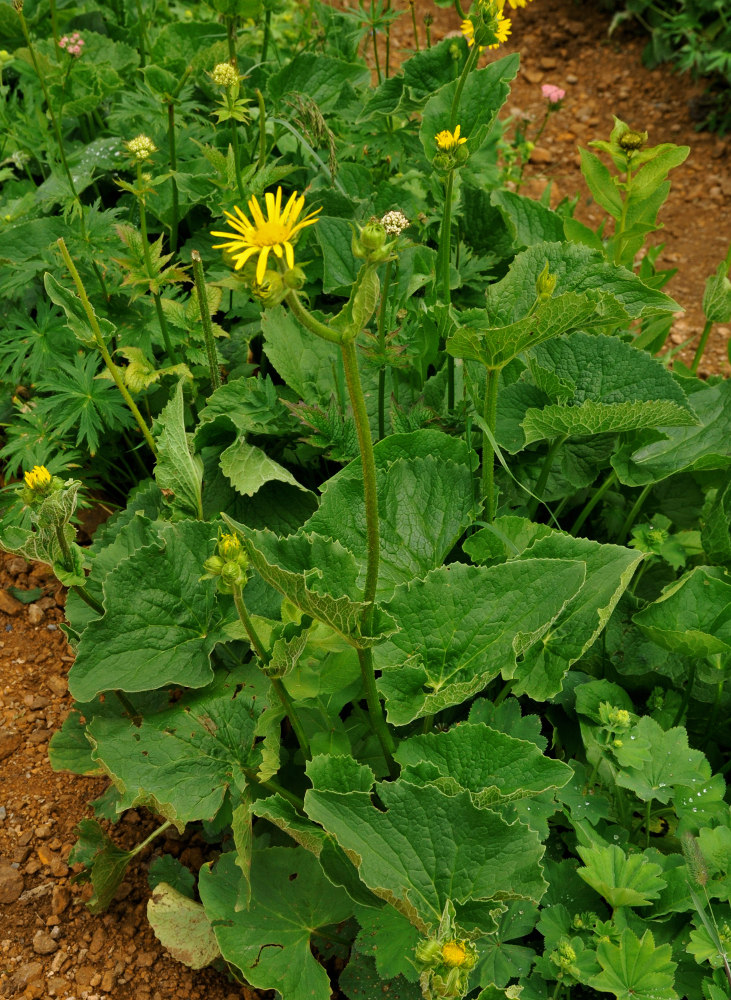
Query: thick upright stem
[162,322]
[173,182]
[381,345]
[488,451]
[445,254]
[593,501]
[467,69]
[200,287]
[701,346]
[102,347]
[416,30]
[262,131]
[365,441]
[388,40]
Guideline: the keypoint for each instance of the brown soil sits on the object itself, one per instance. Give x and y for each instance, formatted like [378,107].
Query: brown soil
[565,43]
[50,946]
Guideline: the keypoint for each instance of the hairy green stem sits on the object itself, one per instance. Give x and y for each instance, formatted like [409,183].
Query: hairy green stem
[416,30]
[148,840]
[593,501]
[276,682]
[173,182]
[443,261]
[87,598]
[545,473]
[113,369]
[382,344]
[200,287]
[488,451]
[375,49]
[620,226]
[701,346]
[54,29]
[365,442]
[466,70]
[267,32]
[309,321]
[387,10]
[231,39]
[144,45]
[427,30]
[162,322]
[632,515]
[262,131]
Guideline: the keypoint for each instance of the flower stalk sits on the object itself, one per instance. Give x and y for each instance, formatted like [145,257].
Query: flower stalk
[102,347]
[488,451]
[200,287]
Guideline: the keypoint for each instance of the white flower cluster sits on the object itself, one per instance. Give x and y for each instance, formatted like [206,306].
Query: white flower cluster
[394,223]
[141,147]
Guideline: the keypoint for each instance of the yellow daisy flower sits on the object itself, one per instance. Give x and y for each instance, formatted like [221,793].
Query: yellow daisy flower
[447,140]
[263,236]
[38,479]
[502,30]
[515,3]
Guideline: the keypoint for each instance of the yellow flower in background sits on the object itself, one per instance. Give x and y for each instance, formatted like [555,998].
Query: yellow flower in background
[501,29]
[515,3]
[447,140]
[263,236]
[38,479]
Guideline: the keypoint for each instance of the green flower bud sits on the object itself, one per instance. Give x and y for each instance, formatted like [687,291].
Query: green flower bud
[229,547]
[545,284]
[461,155]
[373,235]
[631,141]
[233,574]
[443,162]
[428,952]
[294,278]
[271,290]
[213,565]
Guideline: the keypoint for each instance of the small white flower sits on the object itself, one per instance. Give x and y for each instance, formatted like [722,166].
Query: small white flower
[394,223]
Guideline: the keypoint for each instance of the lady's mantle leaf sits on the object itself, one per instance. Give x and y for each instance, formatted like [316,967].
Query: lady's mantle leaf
[491,765]
[462,625]
[427,847]
[673,763]
[181,926]
[161,623]
[181,761]
[636,969]
[623,880]
[270,942]
[693,616]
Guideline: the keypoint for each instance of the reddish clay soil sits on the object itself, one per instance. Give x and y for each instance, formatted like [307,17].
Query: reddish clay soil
[50,946]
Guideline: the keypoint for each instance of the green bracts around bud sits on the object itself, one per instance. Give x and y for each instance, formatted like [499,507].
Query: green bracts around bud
[229,565]
[545,284]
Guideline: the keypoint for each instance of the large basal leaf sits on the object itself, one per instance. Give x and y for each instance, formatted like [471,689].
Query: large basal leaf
[651,456]
[318,76]
[491,765]
[693,616]
[527,220]
[462,625]
[161,622]
[494,344]
[577,269]
[182,927]
[483,95]
[609,569]
[608,386]
[307,364]
[178,470]
[248,468]
[315,573]
[426,847]
[181,762]
[292,901]
[425,502]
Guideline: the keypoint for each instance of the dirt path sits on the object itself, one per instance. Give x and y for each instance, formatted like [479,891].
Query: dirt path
[50,946]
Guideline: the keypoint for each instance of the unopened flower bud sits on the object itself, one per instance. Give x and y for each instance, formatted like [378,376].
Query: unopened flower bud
[270,290]
[373,235]
[229,547]
[213,565]
[631,141]
[545,284]
[233,574]
[442,162]
[428,952]
[294,278]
